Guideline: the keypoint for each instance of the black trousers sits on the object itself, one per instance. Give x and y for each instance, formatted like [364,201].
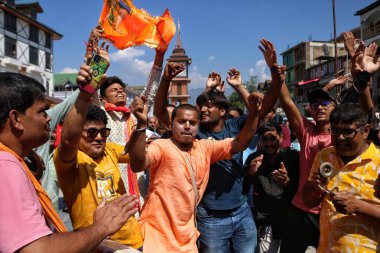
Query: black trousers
[302,230]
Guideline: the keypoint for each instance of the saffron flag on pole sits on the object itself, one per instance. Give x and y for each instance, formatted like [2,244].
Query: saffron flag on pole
[125,26]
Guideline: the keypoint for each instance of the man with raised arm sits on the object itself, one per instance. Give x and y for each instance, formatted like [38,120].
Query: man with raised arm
[87,165]
[179,172]
[121,121]
[26,212]
[224,216]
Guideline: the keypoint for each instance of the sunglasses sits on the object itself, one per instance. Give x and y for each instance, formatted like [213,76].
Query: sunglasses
[347,133]
[325,105]
[93,132]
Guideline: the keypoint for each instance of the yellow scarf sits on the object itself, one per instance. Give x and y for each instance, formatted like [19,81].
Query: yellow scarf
[49,212]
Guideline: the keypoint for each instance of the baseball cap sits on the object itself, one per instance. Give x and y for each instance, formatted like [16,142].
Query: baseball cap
[319,93]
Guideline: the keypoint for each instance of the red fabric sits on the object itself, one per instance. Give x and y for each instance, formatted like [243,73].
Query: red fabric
[111,107]
[58,135]
[285,137]
[306,82]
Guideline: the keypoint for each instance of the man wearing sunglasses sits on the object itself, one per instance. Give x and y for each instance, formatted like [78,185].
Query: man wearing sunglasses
[274,174]
[313,136]
[350,212]
[87,165]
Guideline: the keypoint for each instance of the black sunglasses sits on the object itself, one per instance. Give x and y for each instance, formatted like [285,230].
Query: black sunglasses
[347,133]
[93,132]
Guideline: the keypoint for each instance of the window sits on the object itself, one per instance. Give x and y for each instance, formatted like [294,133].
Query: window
[179,91]
[33,33]
[10,23]
[33,55]
[47,40]
[10,47]
[47,61]
[331,67]
[312,74]
[324,69]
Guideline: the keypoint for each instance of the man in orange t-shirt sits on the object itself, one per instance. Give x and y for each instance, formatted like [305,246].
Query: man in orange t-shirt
[168,216]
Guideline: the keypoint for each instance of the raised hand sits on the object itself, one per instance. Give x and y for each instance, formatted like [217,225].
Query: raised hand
[255,165]
[93,41]
[349,43]
[255,101]
[111,216]
[341,80]
[269,52]
[84,75]
[103,51]
[140,110]
[370,63]
[345,202]
[214,81]
[357,61]
[281,176]
[234,77]
[172,69]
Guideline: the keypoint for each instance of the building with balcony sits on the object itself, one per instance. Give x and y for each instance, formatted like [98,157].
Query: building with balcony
[26,45]
[370,30]
[310,65]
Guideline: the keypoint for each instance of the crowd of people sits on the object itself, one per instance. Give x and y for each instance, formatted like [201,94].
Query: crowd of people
[208,177]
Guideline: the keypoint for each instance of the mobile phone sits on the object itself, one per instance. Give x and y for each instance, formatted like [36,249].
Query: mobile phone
[99,66]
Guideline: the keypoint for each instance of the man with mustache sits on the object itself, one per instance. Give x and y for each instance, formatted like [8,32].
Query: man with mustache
[350,213]
[87,165]
[26,212]
[179,171]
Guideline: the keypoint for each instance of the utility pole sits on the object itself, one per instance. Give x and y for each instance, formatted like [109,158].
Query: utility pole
[338,89]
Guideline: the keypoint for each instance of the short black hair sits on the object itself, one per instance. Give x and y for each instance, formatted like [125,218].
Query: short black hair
[183,107]
[347,114]
[109,81]
[18,92]
[95,114]
[236,108]
[269,126]
[216,97]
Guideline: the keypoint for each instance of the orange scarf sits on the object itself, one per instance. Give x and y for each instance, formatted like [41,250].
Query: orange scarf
[49,212]
[125,26]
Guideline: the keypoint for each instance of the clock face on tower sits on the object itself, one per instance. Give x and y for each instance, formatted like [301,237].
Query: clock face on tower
[184,72]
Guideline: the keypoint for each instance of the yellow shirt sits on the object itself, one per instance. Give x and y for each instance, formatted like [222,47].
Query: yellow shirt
[354,232]
[84,183]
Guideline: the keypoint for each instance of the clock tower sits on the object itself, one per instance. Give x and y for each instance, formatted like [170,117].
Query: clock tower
[179,86]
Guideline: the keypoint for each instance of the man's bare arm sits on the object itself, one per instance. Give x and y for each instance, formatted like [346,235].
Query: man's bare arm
[136,147]
[172,69]
[108,218]
[244,137]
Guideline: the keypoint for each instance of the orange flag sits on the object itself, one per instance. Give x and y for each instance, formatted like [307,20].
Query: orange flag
[125,26]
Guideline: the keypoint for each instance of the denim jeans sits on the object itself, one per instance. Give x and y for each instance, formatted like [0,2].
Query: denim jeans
[221,230]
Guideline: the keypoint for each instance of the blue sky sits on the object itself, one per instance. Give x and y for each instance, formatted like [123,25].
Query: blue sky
[217,35]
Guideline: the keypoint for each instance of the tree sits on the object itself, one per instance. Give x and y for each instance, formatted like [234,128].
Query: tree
[234,99]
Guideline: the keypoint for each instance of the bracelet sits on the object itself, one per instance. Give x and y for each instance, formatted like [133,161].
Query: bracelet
[138,129]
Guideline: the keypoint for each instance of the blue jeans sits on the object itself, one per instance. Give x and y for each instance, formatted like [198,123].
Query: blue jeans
[221,230]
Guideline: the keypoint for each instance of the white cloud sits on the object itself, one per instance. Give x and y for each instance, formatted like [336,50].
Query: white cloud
[68,70]
[129,53]
[197,79]
[211,58]
[128,65]
[260,70]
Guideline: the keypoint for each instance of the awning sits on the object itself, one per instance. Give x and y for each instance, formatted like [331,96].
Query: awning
[310,81]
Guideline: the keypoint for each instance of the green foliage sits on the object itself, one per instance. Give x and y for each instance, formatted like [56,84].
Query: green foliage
[234,99]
